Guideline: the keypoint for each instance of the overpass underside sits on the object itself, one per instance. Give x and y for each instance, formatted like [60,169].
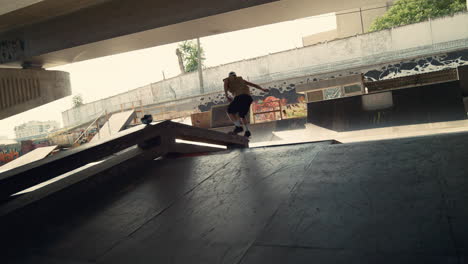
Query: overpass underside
[52,33]
[37,34]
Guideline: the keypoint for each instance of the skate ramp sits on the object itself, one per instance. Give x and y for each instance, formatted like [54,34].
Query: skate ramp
[313,132]
[394,201]
[116,123]
[32,156]
[141,143]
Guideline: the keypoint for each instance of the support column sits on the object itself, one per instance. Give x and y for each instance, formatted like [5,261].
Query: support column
[22,90]
[200,68]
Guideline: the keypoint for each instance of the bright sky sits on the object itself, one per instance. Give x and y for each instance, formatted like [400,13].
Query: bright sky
[104,77]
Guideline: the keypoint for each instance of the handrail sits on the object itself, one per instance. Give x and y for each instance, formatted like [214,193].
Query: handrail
[86,130]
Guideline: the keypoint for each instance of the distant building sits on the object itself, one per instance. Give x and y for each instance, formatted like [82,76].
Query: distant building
[351,22]
[33,129]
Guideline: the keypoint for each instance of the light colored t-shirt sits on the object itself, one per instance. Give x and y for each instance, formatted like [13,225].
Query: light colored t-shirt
[237,86]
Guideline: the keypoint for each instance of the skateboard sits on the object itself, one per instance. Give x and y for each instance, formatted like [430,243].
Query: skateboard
[234,134]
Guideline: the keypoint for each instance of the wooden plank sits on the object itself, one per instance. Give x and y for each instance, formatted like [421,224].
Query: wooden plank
[314,96]
[202,120]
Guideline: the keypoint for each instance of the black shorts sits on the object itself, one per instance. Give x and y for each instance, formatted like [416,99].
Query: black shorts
[240,105]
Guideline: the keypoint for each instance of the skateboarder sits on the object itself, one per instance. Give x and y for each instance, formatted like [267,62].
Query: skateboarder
[240,105]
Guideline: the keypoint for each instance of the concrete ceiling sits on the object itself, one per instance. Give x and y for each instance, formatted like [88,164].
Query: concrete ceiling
[7,6]
[26,12]
[77,30]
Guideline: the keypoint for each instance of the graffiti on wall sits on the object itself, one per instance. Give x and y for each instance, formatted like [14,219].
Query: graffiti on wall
[332,93]
[420,65]
[294,102]
[11,50]
[14,151]
[272,108]
[39,143]
[268,109]
[9,153]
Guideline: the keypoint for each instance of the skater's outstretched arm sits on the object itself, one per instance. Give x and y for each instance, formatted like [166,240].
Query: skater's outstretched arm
[256,86]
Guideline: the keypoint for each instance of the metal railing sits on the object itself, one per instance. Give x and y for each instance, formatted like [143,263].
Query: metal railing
[275,109]
[95,122]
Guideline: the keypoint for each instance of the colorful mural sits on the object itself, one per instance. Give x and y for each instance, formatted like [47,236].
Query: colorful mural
[297,110]
[269,109]
[13,151]
[292,103]
[9,153]
[272,108]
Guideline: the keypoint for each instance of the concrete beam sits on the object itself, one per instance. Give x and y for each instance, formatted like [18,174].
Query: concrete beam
[22,90]
[322,84]
[120,26]
[7,6]
[34,11]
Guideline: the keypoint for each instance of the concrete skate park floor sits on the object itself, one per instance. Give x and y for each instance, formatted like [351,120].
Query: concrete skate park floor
[389,201]
[264,134]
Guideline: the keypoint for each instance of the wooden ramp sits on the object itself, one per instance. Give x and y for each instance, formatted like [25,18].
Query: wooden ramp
[116,123]
[134,145]
[32,156]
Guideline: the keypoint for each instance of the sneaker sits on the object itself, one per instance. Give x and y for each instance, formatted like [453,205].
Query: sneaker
[247,134]
[237,130]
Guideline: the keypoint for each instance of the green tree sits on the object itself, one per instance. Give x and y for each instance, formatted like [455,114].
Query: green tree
[77,100]
[189,52]
[405,12]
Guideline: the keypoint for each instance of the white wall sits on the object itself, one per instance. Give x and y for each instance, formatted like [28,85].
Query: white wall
[319,37]
[393,45]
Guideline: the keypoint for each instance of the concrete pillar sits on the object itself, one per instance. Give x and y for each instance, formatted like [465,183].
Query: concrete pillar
[200,68]
[22,90]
